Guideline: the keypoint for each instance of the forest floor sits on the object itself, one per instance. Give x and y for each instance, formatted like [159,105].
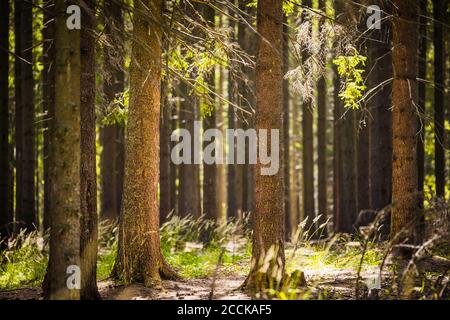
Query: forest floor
[324,280]
[218,269]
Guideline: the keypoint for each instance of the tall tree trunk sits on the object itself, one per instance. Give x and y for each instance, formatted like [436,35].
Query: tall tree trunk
[347,153]
[308,153]
[322,143]
[210,208]
[439,97]
[48,102]
[294,159]
[247,90]
[286,136]
[232,97]
[404,121]
[88,182]
[139,254]
[6,218]
[348,203]
[337,172]
[268,232]
[27,218]
[380,58]
[65,159]
[112,135]
[221,168]
[422,95]
[18,137]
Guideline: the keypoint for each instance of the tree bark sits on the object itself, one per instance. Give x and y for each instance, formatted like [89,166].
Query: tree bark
[65,159]
[286,136]
[439,97]
[404,121]
[27,218]
[337,172]
[380,59]
[422,95]
[210,207]
[322,144]
[232,207]
[48,74]
[188,201]
[247,90]
[348,202]
[308,155]
[18,133]
[139,254]
[6,218]
[88,182]
[268,232]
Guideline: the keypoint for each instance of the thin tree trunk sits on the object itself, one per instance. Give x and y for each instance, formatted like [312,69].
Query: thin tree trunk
[294,167]
[231,168]
[404,121]
[322,144]
[422,95]
[221,168]
[286,136]
[139,254]
[247,90]
[347,154]
[268,233]
[174,176]
[308,154]
[65,162]
[379,52]
[88,182]
[439,97]
[209,122]
[112,135]
[6,218]
[337,172]
[27,218]
[188,202]
[18,66]
[165,199]
[48,75]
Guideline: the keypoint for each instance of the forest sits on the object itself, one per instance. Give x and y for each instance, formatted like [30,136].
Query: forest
[224,149]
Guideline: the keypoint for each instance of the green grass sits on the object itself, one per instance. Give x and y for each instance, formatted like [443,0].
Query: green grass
[23,262]
[202,263]
[341,258]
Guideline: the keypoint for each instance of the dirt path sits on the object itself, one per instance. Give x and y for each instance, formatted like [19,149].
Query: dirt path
[337,284]
[226,287]
[191,289]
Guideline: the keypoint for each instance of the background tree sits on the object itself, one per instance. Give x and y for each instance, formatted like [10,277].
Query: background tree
[48,101]
[6,218]
[112,135]
[26,217]
[322,141]
[439,97]
[308,149]
[379,105]
[210,207]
